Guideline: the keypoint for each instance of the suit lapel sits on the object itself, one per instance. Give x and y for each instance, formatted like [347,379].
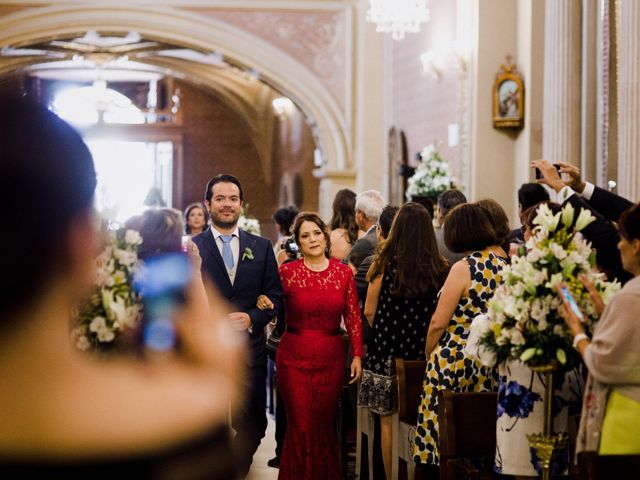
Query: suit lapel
[210,244]
[244,243]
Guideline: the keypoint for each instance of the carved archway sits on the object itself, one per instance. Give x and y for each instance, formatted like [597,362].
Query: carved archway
[195,31]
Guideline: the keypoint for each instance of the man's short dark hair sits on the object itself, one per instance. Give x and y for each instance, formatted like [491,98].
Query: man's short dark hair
[226,178]
[530,194]
[449,199]
[425,201]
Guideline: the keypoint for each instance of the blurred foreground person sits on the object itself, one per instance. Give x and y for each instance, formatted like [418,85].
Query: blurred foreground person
[67,415]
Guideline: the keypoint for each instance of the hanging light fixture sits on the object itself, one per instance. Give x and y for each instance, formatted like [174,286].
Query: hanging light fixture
[398,16]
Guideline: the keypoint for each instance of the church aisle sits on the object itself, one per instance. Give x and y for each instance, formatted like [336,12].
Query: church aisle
[266,451]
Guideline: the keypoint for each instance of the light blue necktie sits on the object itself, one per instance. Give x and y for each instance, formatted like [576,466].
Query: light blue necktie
[227,254]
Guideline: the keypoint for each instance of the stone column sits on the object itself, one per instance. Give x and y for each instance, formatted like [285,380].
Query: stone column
[562,85]
[629,101]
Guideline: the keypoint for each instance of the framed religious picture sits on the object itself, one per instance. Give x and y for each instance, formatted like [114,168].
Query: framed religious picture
[508,97]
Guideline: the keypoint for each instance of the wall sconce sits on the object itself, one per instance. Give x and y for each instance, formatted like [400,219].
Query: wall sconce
[282,105]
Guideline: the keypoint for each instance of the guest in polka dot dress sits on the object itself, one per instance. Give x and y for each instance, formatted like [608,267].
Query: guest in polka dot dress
[469,285]
[405,278]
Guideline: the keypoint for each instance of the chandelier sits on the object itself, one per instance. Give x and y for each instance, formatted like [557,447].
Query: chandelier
[398,16]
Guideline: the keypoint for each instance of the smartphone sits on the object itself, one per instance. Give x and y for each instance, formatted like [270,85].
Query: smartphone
[162,284]
[570,301]
[539,173]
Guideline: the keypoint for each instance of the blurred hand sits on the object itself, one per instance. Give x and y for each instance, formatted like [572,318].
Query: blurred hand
[593,293]
[570,318]
[239,320]
[194,255]
[356,370]
[264,303]
[550,175]
[575,180]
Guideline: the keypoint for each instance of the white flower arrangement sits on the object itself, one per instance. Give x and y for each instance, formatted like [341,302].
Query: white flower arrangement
[432,175]
[523,320]
[247,222]
[114,306]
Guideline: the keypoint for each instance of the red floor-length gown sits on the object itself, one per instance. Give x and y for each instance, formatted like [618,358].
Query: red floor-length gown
[311,362]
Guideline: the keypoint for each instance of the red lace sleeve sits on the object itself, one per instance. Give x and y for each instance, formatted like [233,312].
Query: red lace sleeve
[351,315]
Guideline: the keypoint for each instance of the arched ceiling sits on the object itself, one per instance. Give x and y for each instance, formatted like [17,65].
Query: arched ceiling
[108,56]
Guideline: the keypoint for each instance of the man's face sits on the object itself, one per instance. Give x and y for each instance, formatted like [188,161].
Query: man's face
[360,219]
[225,205]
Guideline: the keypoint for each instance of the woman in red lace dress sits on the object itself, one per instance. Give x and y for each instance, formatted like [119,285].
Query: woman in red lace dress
[311,357]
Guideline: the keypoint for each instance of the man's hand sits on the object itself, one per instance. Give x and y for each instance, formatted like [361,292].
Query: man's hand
[239,320]
[264,303]
[574,181]
[550,175]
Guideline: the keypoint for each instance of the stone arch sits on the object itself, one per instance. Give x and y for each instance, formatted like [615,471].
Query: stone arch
[180,27]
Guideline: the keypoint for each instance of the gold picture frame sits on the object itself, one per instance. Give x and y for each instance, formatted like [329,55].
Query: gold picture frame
[508,97]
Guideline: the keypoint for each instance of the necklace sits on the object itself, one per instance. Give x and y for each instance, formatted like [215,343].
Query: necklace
[322,265]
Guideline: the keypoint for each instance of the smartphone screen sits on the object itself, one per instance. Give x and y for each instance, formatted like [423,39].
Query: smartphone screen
[162,284]
[568,298]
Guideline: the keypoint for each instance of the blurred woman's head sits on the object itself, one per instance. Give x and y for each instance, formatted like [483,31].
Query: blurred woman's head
[468,228]
[46,173]
[411,249]
[284,218]
[161,231]
[629,245]
[344,213]
[311,234]
[196,219]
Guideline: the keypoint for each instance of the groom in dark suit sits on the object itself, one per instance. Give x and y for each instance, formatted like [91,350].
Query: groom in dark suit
[243,267]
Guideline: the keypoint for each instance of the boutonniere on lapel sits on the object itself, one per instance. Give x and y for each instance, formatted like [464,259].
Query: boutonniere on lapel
[247,254]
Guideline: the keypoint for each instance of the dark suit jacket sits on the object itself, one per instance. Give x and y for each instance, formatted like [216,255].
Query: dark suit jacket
[608,204]
[363,247]
[254,277]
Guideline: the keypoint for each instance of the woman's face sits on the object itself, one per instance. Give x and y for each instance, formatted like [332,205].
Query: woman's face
[629,254]
[196,219]
[311,239]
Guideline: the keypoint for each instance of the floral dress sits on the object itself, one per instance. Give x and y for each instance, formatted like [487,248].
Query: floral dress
[448,368]
[521,413]
[399,331]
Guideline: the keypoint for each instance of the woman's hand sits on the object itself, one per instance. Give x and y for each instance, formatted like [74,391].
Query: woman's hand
[263,303]
[593,293]
[356,370]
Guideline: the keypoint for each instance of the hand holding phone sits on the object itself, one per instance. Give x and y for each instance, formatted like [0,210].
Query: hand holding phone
[570,302]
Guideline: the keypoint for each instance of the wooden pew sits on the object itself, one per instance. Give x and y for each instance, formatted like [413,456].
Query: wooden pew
[410,377]
[592,466]
[467,427]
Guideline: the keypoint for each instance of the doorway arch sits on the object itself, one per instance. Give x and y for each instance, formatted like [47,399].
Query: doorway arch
[189,29]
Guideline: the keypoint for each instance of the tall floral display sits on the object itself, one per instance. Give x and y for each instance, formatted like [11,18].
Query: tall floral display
[248,222]
[523,322]
[113,308]
[432,175]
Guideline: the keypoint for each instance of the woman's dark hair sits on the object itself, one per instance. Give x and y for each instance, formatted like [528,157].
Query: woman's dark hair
[310,217]
[46,173]
[468,229]
[284,217]
[498,218]
[449,199]
[385,220]
[161,231]
[344,214]
[187,211]
[412,249]
[222,178]
[629,223]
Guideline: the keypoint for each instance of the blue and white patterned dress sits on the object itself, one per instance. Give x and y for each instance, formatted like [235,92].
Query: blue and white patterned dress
[521,413]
